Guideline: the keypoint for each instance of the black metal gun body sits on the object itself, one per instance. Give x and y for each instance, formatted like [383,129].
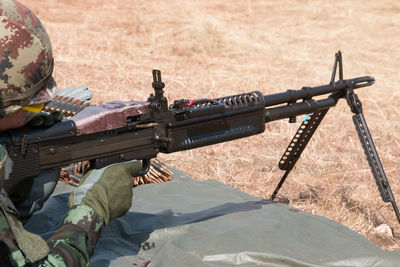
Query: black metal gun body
[182,126]
[120,131]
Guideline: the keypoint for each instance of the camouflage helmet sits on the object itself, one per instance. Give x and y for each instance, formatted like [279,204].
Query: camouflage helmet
[26,59]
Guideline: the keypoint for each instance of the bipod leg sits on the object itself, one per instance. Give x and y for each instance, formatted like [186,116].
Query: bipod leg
[297,145]
[370,151]
[306,131]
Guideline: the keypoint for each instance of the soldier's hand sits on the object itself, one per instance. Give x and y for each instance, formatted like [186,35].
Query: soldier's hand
[107,190]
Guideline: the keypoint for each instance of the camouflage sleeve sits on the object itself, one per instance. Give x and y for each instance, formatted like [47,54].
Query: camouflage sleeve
[74,241]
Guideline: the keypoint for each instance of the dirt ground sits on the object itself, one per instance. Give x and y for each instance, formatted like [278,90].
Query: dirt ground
[214,48]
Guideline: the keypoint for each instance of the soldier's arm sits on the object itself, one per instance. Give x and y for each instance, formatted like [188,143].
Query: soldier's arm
[103,195]
[74,241]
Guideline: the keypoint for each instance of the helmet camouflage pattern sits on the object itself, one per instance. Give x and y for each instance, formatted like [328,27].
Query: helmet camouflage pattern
[26,59]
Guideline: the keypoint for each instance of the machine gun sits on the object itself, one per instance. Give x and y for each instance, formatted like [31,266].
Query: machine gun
[119,131]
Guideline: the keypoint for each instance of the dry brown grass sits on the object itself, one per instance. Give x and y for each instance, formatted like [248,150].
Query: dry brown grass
[218,48]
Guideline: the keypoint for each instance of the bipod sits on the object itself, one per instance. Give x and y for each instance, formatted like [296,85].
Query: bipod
[311,123]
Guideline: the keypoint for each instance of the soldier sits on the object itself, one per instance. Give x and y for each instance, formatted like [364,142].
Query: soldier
[25,84]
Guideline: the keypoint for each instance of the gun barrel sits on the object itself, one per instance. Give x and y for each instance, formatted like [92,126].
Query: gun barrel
[291,96]
[306,107]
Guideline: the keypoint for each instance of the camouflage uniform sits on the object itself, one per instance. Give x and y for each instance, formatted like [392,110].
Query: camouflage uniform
[25,80]
[72,244]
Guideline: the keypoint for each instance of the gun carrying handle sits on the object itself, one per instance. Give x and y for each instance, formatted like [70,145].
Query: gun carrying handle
[145,167]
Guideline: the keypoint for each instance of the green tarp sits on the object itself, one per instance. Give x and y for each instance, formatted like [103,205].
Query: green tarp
[189,223]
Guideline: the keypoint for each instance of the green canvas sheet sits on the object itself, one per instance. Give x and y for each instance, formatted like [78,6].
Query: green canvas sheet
[190,223]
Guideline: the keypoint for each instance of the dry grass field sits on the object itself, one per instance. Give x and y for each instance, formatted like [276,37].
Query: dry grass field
[209,48]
